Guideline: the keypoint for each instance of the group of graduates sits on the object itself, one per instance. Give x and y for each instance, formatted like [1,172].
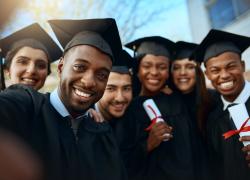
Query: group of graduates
[95,125]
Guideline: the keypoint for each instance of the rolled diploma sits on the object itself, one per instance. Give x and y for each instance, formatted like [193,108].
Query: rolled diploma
[152,115]
[239,115]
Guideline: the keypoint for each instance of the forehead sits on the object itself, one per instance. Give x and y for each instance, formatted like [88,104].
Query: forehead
[31,52]
[88,53]
[183,62]
[118,79]
[150,58]
[223,59]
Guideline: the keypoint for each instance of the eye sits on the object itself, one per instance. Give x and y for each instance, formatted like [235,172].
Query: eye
[22,61]
[41,65]
[145,66]
[176,68]
[232,66]
[214,71]
[128,88]
[102,75]
[79,67]
[163,67]
[110,89]
[190,67]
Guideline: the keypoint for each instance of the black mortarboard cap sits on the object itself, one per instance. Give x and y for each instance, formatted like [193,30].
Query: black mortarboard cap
[217,42]
[35,32]
[183,50]
[123,63]
[100,33]
[155,45]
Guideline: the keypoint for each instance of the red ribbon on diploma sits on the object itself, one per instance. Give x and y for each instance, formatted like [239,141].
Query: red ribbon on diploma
[234,132]
[154,120]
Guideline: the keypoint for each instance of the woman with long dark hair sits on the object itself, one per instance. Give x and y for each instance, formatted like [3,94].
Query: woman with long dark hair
[188,79]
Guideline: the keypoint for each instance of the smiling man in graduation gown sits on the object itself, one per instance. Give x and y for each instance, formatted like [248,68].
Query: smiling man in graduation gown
[221,53]
[70,144]
[117,96]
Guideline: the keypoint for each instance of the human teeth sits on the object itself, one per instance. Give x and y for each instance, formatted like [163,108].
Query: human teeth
[80,93]
[226,85]
[29,80]
[183,80]
[153,81]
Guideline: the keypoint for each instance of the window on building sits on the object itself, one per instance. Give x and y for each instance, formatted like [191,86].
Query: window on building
[223,12]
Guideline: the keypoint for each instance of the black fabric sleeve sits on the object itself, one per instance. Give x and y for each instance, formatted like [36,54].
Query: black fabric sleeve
[100,157]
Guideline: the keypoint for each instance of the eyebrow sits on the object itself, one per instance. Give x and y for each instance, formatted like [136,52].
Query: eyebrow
[25,57]
[111,85]
[87,62]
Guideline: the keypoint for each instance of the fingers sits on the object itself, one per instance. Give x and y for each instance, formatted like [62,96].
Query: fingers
[162,128]
[162,131]
[96,116]
[167,137]
[244,138]
[166,90]
[246,149]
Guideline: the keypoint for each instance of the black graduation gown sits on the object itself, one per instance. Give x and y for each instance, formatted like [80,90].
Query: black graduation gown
[94,155]
[227,161]
[199,150]
[171,160]
[119,129]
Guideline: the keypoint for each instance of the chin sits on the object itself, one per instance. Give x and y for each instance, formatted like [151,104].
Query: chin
[117,115]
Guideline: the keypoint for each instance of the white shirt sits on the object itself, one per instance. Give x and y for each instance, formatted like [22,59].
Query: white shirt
[61,109]
[241,99]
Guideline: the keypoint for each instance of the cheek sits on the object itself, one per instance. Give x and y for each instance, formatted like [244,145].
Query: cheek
[140,74]
[43,74]
[129,97]
[164,75]
[192,76]
[210,76]
[174,76]
[15,72]
[100,86]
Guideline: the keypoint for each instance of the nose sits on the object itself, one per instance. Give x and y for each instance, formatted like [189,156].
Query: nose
[182,71]
[224,74]
[88,80]
[31,68]
[154,71]
[119,96]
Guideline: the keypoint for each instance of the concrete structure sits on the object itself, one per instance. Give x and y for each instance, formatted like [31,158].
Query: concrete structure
[201,22]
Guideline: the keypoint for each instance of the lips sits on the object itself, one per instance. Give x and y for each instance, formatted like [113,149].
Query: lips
[153,81]
[119,107]
[226,85]
[29,81]
[183,80]
[82,94]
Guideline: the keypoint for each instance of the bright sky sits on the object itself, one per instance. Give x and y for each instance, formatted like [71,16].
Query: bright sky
[169,23]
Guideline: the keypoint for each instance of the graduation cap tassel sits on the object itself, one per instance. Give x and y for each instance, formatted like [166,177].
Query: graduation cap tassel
[2,80]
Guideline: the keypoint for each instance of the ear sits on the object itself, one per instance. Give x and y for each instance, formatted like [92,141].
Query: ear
[243,65]
[7,72]
[60,65]
[207,74]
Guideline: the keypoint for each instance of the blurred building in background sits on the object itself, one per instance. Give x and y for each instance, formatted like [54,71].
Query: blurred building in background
[228,15]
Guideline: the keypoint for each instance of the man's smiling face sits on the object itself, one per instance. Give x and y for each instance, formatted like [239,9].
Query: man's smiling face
[83,72]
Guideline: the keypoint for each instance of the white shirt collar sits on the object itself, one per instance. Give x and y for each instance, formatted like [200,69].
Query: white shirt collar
[241,99]
[57,103]
[96,107]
